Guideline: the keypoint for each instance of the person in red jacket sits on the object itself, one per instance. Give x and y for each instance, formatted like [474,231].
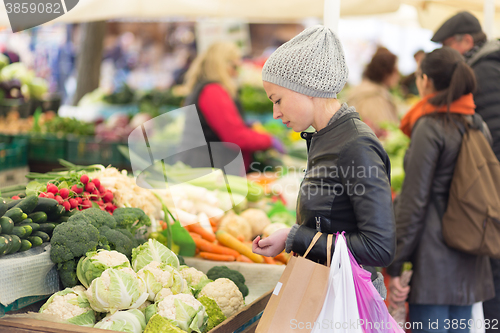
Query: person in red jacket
[213,88]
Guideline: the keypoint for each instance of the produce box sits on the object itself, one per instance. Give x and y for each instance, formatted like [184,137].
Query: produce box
[244,321]
[22,107]
[259,278]
[89,150]
[12,177]
[46,148]
[13,152]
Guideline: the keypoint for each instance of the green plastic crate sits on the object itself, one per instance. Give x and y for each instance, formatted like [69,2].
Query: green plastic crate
[46,148]
[13,152]
[89,150]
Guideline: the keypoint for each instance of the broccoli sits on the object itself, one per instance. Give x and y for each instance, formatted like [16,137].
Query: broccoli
[215,315]
[95,216]
[131,218]
[118,240]
[225,272]
[67,273]
[72,240]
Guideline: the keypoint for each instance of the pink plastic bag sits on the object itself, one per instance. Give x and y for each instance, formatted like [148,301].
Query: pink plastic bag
[373,312]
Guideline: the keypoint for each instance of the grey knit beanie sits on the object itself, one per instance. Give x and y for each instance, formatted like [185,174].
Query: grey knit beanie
[312,63]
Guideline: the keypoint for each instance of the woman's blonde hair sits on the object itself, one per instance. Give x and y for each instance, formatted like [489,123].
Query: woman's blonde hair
[213,66]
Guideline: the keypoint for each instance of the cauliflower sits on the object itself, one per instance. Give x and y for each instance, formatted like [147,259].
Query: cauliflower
[144,305]
[94,263]
[226,294]
[110,258]
[185,311]
[70,305]
[257,219]
[272,228]
[163,294]
[158,275]
[192,275]
[236,226]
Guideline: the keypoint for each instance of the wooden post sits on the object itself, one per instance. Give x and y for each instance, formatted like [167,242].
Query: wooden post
[89,58]
[489,18]
[331,14]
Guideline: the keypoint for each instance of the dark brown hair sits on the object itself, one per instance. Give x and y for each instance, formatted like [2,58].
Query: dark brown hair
[451,76]
[381,66]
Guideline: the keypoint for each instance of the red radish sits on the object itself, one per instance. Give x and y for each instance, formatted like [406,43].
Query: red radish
[96,194]
[86,204]
[59,199]
[84,179]
[96,182]
[52,188]
[89,187]
[42,195]
[73,203]
[16,197]
[86,195]
[79,200]
[76,189]
[66,205]
[108,197]
[102,189]
[50,195]
[64,192]
[109,206]
[100,203]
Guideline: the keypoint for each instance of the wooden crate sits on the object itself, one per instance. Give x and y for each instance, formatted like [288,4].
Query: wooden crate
[22,324]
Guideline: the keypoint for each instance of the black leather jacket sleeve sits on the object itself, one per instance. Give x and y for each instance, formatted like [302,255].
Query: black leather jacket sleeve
[373,244]
[420,164]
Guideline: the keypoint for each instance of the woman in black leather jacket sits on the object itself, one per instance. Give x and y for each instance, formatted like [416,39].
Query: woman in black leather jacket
[445,282]
[346,186]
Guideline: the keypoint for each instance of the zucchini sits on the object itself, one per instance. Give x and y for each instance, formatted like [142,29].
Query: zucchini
[4,245]
[47,227]
[16,244]
[38,217]
[7,224]
[19,232]
[3,206]
[16,214]
[35,241]
[28,220]
[42,235]
[57,213]
[46,205]
[28,204]
[30,227]
[25,245]
[13,203]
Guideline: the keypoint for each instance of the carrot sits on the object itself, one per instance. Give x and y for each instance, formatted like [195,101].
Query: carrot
[240,238]
[213,221]
[282,257]
[242,258]
[195,235]
[269,260]
[197,251]
[206,246]
[230,241]
[214,229]
[216,257]
[197,228]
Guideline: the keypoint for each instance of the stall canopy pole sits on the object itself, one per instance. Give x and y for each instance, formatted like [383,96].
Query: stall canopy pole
[489,17]
[331,14]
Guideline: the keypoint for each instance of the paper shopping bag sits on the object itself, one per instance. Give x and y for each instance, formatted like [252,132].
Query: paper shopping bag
[298,297]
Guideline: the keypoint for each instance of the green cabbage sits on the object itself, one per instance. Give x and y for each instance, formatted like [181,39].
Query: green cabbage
[94,263]
[131,321]
[153,251]
[117,289]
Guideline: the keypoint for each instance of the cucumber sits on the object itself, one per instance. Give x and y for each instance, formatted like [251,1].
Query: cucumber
[30,227]
[16,214]
[63,219]
[35,241]
[42,235]
[4,245]
[71,212]
[16,244]
[13,203]
[38,217]
[19,232]
[46,205]
[3,206]
[9,243]
[28,204]
[25,245]
[7,224]
[47,227]
[57,213]
[28,220]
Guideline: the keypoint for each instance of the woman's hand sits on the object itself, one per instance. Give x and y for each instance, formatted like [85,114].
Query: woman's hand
[397,293]
[271,246]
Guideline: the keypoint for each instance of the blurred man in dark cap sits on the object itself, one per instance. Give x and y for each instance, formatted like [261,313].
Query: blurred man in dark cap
[463,33]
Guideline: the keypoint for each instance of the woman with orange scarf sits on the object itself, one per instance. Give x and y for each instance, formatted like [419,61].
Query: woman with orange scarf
[445,282]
